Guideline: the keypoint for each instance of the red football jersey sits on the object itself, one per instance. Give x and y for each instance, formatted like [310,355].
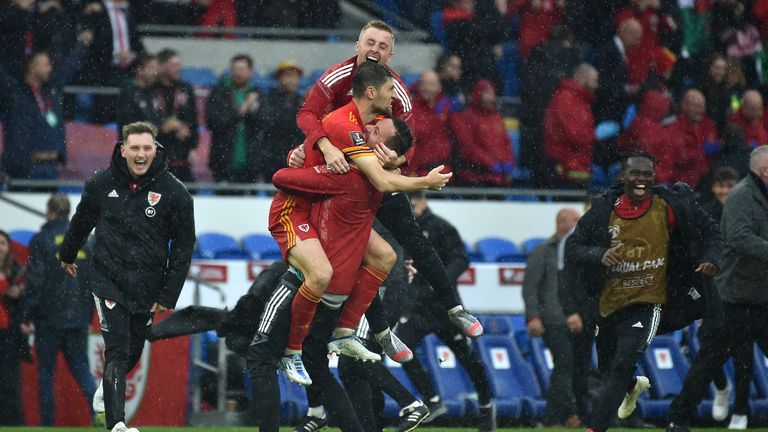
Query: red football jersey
[334,90]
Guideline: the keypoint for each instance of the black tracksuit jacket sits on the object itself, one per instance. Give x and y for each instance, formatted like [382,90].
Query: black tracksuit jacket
[143,242]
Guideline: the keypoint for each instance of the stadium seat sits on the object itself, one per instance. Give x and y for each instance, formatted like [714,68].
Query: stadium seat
[495,324]
[531,243]
[391,408]
[512,380]
[410,78]
[261,247]
[22,236]
[759,405]
[203,77]
[209,244]
[471,254]
[496,249]
[541,359]
[438,28]
[451,380]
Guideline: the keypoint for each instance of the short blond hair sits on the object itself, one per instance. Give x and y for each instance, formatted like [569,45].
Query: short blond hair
[139,128]
[378,24]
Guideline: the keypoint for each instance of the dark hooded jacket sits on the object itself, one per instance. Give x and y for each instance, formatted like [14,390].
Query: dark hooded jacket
[145,233]
[695,240]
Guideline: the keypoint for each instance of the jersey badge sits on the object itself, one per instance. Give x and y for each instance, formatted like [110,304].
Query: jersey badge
[357,138]
[150,211]
[153,198]
[304,228]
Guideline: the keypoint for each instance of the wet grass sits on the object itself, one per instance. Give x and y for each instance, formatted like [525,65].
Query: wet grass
[286,429]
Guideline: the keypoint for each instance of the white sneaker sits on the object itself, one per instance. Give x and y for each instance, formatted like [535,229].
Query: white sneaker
[121,427]
[629,403]
[351,346]
[738,421]
[98,399]
[720,404]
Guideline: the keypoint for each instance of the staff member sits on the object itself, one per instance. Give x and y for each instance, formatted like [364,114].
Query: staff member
[639,244]
[138,209]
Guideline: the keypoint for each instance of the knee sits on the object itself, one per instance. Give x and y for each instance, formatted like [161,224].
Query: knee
[380,258]
[319,279]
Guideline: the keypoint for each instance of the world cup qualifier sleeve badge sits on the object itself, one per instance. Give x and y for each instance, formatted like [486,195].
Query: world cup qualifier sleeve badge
[152,198]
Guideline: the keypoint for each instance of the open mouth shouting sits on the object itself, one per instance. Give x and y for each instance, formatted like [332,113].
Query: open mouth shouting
[372,56]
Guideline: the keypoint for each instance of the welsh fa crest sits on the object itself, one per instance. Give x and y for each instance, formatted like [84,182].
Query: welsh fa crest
[153,198]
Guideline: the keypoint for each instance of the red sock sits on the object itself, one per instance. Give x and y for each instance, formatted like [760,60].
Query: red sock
[367,285]
[302,312]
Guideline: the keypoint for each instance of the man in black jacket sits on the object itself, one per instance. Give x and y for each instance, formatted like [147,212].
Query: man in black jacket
[59,307]
[640,248]
[426,315]
[138,208]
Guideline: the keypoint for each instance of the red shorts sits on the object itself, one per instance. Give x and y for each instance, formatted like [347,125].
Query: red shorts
[289,218]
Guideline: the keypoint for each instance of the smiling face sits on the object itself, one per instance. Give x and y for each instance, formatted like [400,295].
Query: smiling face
[380,132]
[139,151]
[374,45]
[382,100]
[638,177]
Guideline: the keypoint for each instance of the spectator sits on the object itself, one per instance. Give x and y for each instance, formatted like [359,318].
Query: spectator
[536,19]
[741,283]
[760,17]
[178,12]
[750,117]
[231,113]
[592,20]
[697,131]
[734,152]
[11,290]
[116,47]
[735,35]
[545,318]
[136,101]
[656,25]
[648,134]
[175,100]
[278,119]
[430,131]
[715,89]
[449,70]
[474,29]
[540,75]
[219,13]
[16,42]
[59,307]
[613,64]
[569,134]
[484,150]
[696,37]
[34,140]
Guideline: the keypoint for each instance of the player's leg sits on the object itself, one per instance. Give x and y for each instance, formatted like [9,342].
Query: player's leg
[376,267]
[75,348]
[115,321]
[46,343]
[396,215]
[352,375]
[393,347]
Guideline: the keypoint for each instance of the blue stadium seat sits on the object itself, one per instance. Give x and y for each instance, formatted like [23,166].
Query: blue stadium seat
[438,29]
[410,78]
[203,77]
[759,405]
[512,380]
[22,236]
[261,247]
[531,243]
[507,66]
[541,359]
[451,380]
[496,249]
[495,324]
[391,408]
[209,244]
[232,255]
[471,254]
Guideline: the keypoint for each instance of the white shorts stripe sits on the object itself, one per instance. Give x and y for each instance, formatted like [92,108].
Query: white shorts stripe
[362,328]
[100,313]
[338,71]
[654,323]
[274,302]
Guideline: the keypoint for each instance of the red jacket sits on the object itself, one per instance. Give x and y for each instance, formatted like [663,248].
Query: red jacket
[534,24]
[692,164]
[754,131]
[641,58]
[334,90]
[430,130]
[483,143]
[647,134]
[569,131]
[760,17]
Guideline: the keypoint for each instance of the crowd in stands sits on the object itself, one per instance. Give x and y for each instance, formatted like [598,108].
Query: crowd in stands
[682,80]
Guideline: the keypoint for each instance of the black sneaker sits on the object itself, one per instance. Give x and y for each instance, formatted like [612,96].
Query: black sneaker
[410,418]
[486,421]
[436,409]
[311,424]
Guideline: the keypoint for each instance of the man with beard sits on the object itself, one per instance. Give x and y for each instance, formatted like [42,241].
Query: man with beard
[640,248]
[145,233]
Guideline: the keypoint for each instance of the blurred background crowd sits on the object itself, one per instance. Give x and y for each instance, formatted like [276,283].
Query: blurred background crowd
[526,93]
